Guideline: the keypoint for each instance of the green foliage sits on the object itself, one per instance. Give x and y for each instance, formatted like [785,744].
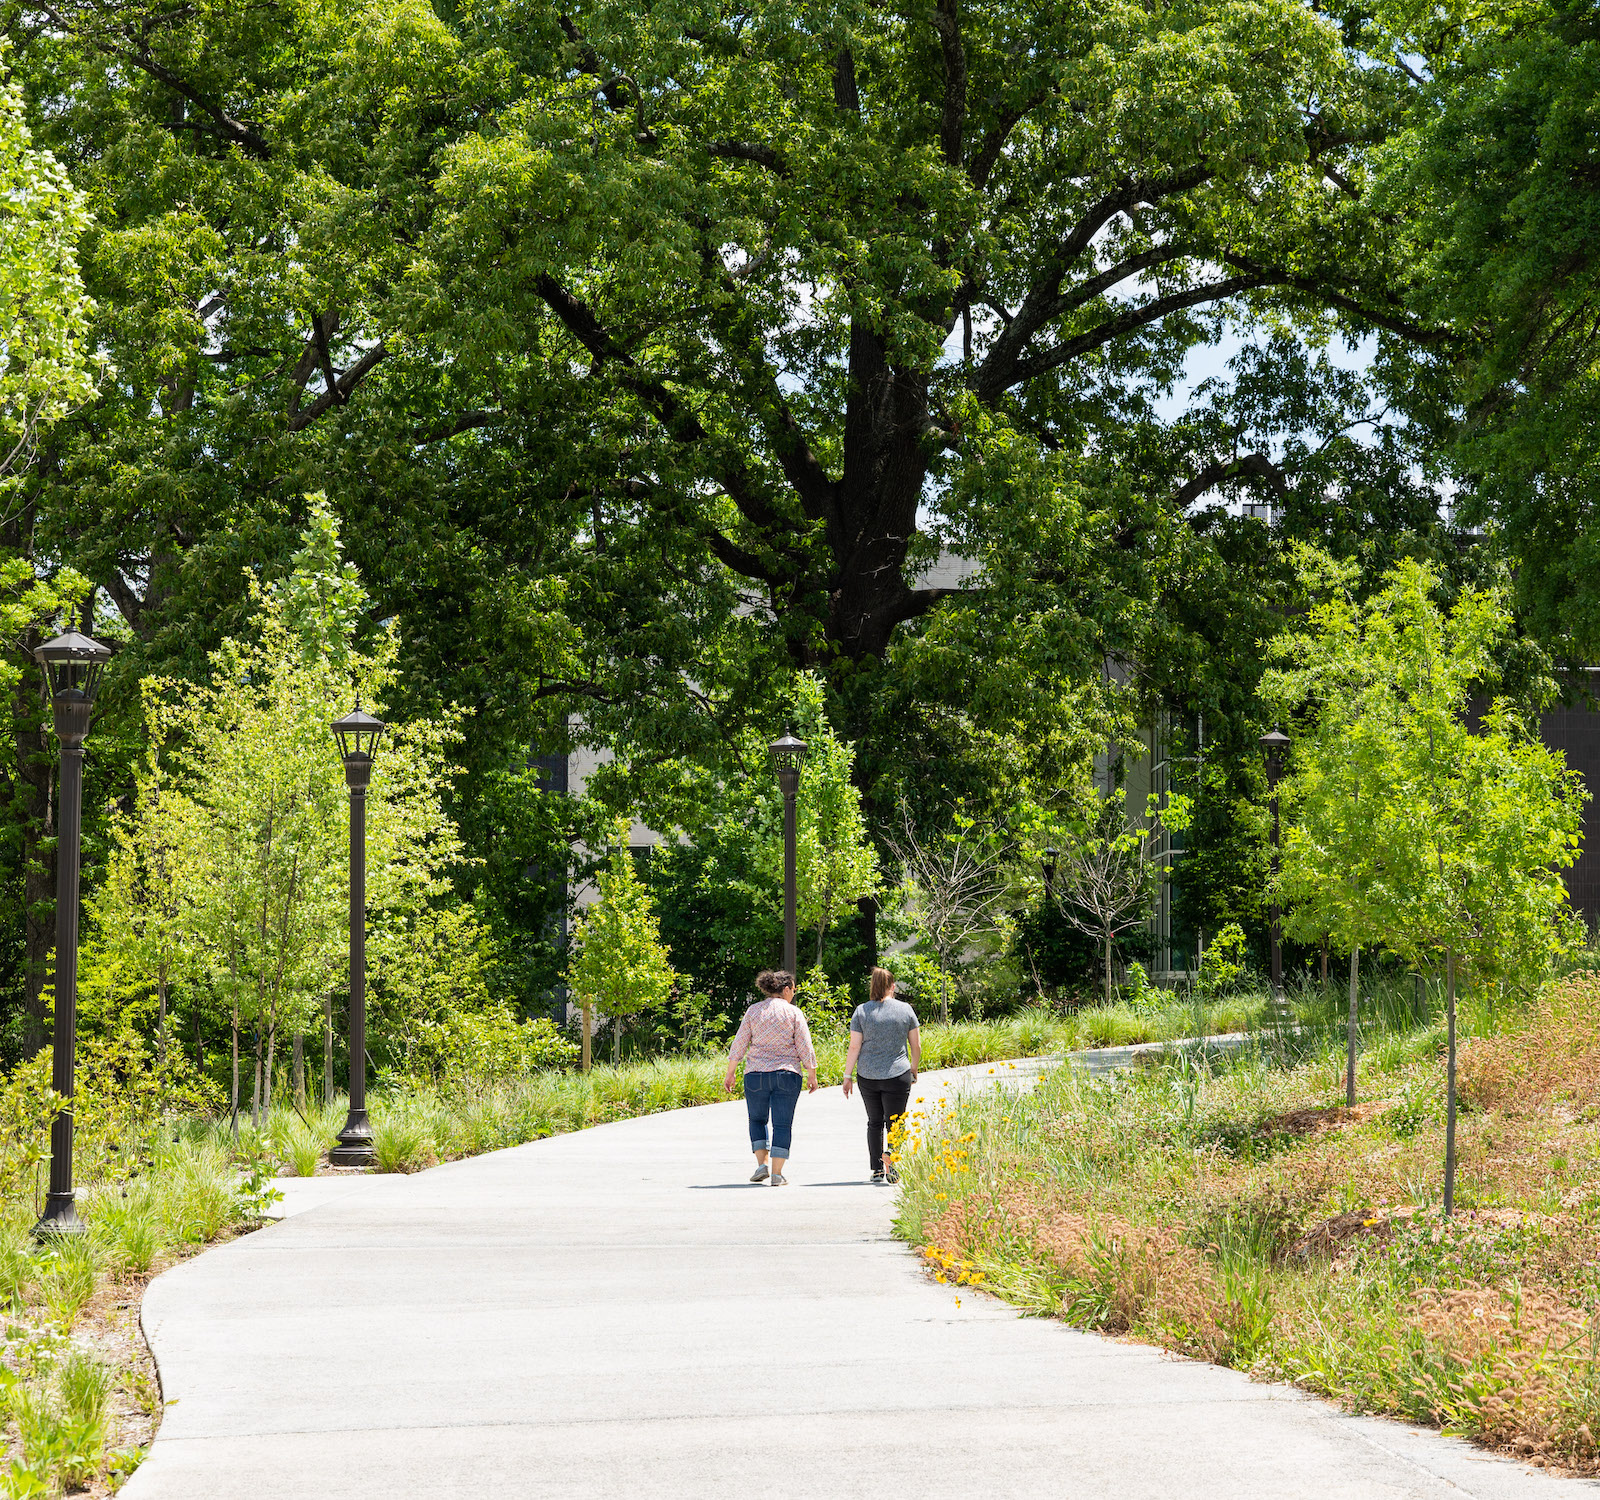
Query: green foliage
[530,341]
[229,871]
[125,1097]
[434,1019]
[27,1106]
[835,865]
[1222,966]
[1108,875]
[50,362]
[1491,175]
[719,911]
[622,967]
[1411,827]
[522,837]
[826,1006]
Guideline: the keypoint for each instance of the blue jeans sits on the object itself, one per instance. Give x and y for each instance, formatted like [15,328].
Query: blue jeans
[774,1094]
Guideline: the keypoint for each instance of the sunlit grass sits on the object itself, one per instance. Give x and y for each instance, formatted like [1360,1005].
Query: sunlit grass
[1231,1209]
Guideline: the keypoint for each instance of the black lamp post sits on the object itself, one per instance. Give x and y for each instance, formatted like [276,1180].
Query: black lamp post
[73,664]
[1048,865]
[1273,745]
[788,755]
[358,735]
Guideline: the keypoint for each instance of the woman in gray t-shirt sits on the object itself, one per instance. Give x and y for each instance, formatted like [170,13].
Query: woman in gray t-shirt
[885,1053]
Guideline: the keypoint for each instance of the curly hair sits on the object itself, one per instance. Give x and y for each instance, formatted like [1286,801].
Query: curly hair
[774,981]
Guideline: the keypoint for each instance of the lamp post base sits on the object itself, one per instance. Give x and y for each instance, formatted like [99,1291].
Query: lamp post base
[60,1220]
[355,1142]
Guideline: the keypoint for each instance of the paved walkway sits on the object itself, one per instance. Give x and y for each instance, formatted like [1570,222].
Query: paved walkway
[616,1313]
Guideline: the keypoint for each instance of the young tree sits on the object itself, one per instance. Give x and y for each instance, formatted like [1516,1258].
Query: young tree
[1331,880]
[1107,876]
[1469,824]
[140,931]
[955,880]
[622,966]
[835,865]
[251,823]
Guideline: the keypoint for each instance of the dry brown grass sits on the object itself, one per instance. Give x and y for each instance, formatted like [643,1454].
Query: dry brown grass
[1553,1052]
[1110,1273]
[1517,1368]
[1263,1226]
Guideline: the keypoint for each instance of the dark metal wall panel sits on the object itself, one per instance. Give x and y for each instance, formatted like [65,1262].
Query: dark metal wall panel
[1576,733]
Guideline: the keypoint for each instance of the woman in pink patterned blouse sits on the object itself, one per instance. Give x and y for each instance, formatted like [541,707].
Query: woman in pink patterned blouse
[775,1043]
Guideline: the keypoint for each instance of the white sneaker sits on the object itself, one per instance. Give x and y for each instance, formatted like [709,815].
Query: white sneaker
[760,1174]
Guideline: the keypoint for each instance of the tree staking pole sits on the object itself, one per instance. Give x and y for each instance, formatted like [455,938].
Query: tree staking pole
[358,735]
[1273,745]
[788,756]
[73,664]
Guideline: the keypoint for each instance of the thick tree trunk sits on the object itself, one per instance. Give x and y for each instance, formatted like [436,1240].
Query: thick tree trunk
[1350,1030]
[868,907]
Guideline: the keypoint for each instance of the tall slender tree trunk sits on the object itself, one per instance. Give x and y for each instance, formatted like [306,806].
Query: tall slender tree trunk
[1108,968]
[297,1069]
[272,1047]
[255,1095]
[1350,1029]
[327,1050]
[616,1040]
[944,996]
[1450,1083]
[588,1034]
[36,772]
[234,1016]
[1324,959]
[161,1015]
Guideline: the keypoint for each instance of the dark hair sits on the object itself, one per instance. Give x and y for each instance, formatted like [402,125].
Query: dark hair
[882,983]
[774,981]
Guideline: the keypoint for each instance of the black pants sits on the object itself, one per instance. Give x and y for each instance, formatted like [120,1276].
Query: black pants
[886,1100]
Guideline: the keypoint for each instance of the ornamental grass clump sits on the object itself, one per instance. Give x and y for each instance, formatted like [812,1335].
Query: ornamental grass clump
[1236,1209]
[75,1419]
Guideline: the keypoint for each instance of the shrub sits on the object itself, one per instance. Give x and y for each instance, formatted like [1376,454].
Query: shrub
[1222,967]
[27,1106]
[123,1097]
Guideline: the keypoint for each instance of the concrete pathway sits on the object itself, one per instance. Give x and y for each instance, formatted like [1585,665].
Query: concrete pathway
[616,1313]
